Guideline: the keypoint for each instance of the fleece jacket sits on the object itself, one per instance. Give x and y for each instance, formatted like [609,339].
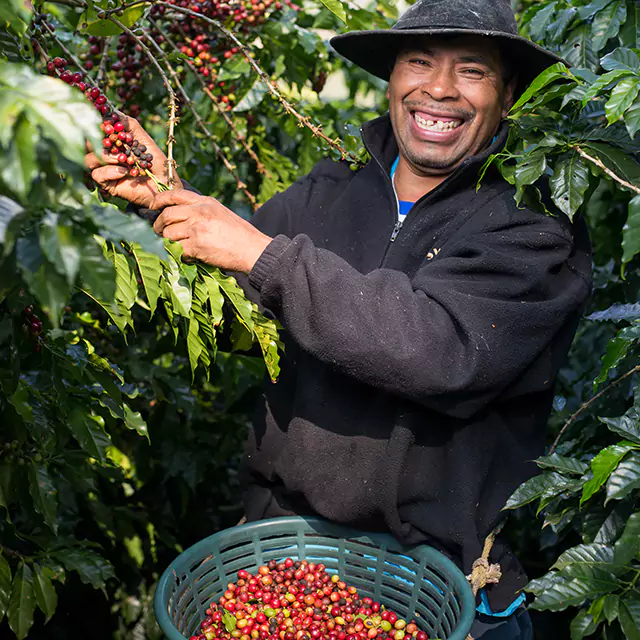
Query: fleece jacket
[418,373]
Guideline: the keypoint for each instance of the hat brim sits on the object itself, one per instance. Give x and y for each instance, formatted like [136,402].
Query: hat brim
[376,51]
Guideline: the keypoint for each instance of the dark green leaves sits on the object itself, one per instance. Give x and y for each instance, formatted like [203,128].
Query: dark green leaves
[629,616]
[45,592]
[569,183]
[622,97]
[621,58]
[89,432]
[631,232]
[44,494]
[602,466]
[5,586]
[23,602]
[92,568]
[337,8]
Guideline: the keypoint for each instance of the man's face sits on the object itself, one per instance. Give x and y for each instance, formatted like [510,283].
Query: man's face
[446,99]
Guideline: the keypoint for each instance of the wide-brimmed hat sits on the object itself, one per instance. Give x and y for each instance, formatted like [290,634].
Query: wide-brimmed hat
[376,50]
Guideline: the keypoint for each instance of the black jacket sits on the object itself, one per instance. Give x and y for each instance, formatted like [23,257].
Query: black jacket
[418,376]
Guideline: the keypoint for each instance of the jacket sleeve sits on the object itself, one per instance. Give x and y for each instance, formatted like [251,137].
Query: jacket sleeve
[452,337]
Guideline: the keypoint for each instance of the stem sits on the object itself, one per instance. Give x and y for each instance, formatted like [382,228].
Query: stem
[304,121]
[587,404]
[172,98]
[218,151]
[608,171]
[242,139]
[102,69]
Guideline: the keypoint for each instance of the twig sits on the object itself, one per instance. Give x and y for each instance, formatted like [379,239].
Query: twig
[218,151]
[587,404]
[101,76]
[608,171]
[304,121]
[171,163]
[242,139]
[76,4]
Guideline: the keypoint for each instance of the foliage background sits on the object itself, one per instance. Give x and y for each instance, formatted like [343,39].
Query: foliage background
[120,440]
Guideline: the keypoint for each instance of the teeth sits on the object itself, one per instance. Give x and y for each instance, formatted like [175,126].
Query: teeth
[437,125]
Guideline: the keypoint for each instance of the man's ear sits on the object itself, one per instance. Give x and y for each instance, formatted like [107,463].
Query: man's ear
[509,96]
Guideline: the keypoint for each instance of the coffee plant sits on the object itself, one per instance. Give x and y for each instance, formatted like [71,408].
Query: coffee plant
[574,145]
[127,376]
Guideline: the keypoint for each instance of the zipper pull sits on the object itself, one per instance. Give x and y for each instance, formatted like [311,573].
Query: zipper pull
[396,230]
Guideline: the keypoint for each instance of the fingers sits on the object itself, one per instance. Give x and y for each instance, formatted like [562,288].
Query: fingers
[108,173]
[176,197]
[170,217]
[93,161]
[177,232]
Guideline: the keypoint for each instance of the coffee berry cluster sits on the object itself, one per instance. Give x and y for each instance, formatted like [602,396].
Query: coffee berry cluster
[117,141]
[299,600]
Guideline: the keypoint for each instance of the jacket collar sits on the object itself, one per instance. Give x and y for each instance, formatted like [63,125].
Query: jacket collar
[380,141]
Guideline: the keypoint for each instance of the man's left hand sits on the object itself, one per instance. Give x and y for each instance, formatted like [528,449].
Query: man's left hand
[208,231]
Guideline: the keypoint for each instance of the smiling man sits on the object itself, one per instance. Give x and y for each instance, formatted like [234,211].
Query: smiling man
[425,320]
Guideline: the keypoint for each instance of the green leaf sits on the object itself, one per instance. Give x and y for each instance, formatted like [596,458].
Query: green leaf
[9,210]
[610,607]
[621,58]
[602,82]
[569,593]
[602,466]
[606,23]
[60,247]
[632,120]
[622,97]
[562,464]
[529,170]
[253,97]
[96,272]
[627,547]
[582,625]
[557,71]
[266,334]
[617,313]
[229,621]
[558,27]
[630,33]
[45,592]
[616,160]
[23,602]
[628,425]
[593,562]
[629,617]
[617,350]
[235,295]
[578,50]
[631,233]
[337,8]
[44,494]
[133,420]
[150,271]
[89,434]
[544,485]
[569,183]
[92,568]
[195,346]
[126,283]
[176,288]
[625,478]
[20,168]
[5,586]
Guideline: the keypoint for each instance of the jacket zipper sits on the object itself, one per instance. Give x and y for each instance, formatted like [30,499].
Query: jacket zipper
[396,230]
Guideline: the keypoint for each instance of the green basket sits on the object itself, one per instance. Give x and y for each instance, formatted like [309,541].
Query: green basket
[416,582]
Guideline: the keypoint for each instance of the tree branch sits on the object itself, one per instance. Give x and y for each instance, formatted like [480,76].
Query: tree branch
[611,174]
[218,151]
[171,163]
[587,404]
[304,121]
[242,139]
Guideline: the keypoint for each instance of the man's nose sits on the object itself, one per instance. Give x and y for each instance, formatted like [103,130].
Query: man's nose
[442,84]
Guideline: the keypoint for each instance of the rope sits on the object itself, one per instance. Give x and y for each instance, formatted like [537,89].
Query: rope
[483,573]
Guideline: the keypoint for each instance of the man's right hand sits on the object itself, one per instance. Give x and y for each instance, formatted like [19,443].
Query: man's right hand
[114,179]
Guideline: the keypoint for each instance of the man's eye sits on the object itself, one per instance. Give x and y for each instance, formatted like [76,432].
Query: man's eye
[419,61]
[474,72]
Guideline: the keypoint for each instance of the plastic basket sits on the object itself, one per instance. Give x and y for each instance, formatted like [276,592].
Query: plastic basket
[416,582]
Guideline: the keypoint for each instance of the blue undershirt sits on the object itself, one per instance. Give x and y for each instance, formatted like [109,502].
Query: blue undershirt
[404,207]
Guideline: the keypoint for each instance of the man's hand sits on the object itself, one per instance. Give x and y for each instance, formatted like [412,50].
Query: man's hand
[208,231]
[113,178]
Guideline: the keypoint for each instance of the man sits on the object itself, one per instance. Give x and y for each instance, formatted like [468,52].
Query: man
[424,322]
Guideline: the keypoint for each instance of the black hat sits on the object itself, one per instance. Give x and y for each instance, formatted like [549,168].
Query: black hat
[376,50]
